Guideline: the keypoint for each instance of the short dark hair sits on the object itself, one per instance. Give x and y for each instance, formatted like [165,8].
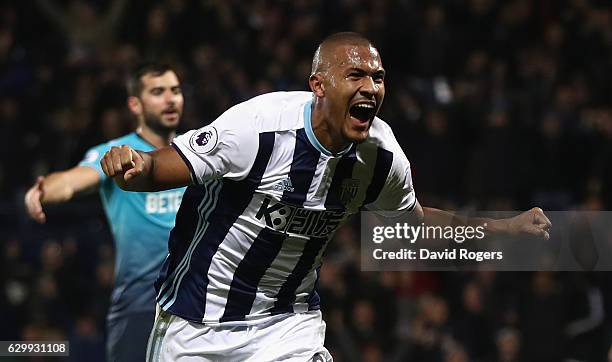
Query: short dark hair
[342,38]
[134,83]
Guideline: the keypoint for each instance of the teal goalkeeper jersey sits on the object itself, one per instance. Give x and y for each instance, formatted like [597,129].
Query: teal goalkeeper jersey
[140,223]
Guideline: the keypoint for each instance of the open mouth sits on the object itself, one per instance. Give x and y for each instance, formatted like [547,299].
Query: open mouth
[170,112]
[363,112]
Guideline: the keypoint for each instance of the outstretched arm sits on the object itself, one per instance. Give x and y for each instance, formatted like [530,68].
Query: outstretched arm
[532,222]
[133,170]
[59,187]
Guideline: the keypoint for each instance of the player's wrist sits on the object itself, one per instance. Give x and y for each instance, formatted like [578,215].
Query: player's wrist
[497,226]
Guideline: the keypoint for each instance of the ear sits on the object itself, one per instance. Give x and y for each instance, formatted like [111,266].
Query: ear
[134,105]
[316,85]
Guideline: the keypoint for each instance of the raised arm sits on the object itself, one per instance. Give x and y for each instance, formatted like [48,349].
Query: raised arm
[59,187]
[532,221]
[133,170]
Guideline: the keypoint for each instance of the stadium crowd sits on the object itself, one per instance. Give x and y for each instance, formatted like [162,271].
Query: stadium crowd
[499,105]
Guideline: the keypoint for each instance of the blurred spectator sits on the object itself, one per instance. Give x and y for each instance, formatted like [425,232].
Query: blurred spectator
[508,345]
[497,104]
[543,316]
[86,31]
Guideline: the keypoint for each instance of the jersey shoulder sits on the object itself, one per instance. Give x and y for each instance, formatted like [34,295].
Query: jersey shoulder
[277,111]
[381,135]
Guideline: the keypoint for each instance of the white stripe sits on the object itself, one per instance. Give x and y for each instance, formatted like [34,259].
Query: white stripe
[205,207]
[326,180]
[207,224]
[273,279]
[224,264]
[365,156]
[314,197]
[284,147]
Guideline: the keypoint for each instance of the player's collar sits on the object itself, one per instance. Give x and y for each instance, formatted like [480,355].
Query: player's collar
[313,139]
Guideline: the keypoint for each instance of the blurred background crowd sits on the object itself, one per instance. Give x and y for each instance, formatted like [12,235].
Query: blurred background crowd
[499,105]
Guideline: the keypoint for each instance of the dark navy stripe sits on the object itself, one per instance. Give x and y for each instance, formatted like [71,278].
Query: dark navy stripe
[384,159]
[285,309]
[303,167]
[411,207]
[313,300]
[251,269]
[344,171]
[182,233]
[286,295]
[164,272]
[191,171]
[205,205]
[234,199]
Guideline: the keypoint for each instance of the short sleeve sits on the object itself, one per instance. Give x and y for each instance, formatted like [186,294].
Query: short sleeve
[225,148]
[397,195]
[92,159]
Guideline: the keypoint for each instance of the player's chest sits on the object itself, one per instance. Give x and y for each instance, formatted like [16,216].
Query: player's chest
[312,180]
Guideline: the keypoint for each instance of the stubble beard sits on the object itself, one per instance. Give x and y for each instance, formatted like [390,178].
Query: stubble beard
[155,123]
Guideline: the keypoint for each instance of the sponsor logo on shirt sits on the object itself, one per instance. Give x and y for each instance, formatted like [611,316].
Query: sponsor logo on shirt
[284,185]
[292,219]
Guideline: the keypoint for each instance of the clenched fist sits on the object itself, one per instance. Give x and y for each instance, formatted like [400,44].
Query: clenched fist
[33,201]
[122,161]
[532,222]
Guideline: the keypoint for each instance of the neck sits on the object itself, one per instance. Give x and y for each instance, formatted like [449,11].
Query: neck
[156,138]
[329,137]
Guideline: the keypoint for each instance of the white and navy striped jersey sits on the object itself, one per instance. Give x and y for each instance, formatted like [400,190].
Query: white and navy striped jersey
[265,200]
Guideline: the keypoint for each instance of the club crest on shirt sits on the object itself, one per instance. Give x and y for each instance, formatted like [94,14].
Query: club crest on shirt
[348,190]
[204,140]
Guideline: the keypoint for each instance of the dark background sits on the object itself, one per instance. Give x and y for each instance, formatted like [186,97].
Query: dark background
[499,105]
